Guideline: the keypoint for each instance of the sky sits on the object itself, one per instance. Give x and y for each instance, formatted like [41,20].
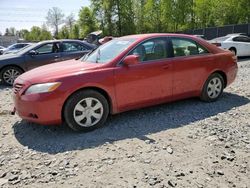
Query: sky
[23,14]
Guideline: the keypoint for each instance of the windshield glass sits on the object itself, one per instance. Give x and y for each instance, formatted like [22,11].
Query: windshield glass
[108,51]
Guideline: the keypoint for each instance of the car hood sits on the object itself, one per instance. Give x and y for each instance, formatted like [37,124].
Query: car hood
[55,71]
[9,56]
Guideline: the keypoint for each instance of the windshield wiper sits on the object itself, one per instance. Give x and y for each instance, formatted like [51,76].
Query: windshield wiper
[98,56]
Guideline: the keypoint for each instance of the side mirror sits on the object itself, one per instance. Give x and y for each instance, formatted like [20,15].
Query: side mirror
[33,52]
[131,60]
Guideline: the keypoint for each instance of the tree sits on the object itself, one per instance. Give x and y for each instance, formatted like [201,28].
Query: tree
[87,21]
[10,31]
[69,21]
[55,18]
[23,33]
[64,33]
[75,33]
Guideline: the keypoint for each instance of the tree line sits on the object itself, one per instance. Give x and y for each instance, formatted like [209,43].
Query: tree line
[123,17]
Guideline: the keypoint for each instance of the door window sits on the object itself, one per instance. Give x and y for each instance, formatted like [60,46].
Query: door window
[186,47]
[241,39]
[154,49]
[73,46]
[48,48]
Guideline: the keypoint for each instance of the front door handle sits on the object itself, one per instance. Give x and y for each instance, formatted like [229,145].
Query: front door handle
[166,67]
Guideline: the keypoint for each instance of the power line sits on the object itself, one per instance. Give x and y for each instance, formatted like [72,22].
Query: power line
[30,21]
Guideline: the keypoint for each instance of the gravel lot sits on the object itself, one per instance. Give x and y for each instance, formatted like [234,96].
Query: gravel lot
[183,144]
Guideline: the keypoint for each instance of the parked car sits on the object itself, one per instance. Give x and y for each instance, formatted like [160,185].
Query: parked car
[42,53]
[238,44]
[2,49]
[105,39]
[200,36]
[15,47]
[126,73]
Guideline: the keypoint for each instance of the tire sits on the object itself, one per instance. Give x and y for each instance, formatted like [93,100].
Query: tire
[233,50]
[213,88]
[9,74]
[86,110]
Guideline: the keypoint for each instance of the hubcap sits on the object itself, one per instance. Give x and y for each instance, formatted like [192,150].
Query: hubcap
[88,112]
[10,75]
[214,88]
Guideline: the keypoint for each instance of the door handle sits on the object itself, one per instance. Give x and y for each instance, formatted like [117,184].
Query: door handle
[56,56]
[166,67]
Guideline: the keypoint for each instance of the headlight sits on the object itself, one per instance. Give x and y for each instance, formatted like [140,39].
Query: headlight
[42,88]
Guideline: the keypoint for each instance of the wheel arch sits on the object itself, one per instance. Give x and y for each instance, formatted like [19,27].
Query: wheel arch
[223,74]
[98,89]
[233,48]
[11,65]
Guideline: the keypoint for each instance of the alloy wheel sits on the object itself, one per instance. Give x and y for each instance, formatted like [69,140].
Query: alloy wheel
[10,75]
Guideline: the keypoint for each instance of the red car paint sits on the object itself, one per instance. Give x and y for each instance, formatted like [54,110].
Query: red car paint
[126,87]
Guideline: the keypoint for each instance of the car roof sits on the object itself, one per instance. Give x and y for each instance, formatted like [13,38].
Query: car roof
[149,35]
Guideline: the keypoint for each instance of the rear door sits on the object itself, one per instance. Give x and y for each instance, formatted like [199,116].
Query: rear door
[190,62]
[73,50]
[46,53]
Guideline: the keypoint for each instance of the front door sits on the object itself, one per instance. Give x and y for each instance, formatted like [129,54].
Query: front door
[45,54]
[146,83]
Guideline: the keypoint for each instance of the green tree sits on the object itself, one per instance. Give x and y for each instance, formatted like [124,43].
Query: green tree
[64,33]
[75,33]
[87,21]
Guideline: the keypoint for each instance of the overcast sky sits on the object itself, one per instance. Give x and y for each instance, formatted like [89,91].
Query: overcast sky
[23,14]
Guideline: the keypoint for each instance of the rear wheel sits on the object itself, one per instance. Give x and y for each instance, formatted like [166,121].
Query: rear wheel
[9,74]
[213,88]
[86,110]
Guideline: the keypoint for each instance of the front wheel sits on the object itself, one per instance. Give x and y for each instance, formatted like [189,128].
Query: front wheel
[86,110]
[212,88]
[9,74]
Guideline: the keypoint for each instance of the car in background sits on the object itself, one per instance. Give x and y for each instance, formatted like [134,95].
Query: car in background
[126,73]
[2,49]
[42,53]
[238,44]
[15,47]
[200,36]
[105,39]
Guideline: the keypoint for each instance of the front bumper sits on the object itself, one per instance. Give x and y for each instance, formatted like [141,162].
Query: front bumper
[42,108]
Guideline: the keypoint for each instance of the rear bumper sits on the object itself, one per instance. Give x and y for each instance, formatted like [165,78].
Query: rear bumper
[231,74]
[43,109]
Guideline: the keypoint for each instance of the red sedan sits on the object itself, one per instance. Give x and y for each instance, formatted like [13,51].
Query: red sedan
[126,73]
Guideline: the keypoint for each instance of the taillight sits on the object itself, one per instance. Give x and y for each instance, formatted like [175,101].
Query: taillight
[217,44]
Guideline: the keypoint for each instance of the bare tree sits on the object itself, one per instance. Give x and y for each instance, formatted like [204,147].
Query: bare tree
[55,18]
[70,20]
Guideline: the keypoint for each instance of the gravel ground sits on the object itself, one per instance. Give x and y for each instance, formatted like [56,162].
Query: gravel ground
[183,144]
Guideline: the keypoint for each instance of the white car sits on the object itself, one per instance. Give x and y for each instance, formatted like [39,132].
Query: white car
[236,43]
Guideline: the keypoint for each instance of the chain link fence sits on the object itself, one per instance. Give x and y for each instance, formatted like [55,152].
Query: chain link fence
[214,32]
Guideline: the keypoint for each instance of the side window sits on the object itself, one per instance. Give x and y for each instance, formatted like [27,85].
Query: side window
[241,39]
[151,50]
[184,47]
[48,48]
[73,46]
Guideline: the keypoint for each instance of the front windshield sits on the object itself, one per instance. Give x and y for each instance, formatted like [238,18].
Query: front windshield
[108,51]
